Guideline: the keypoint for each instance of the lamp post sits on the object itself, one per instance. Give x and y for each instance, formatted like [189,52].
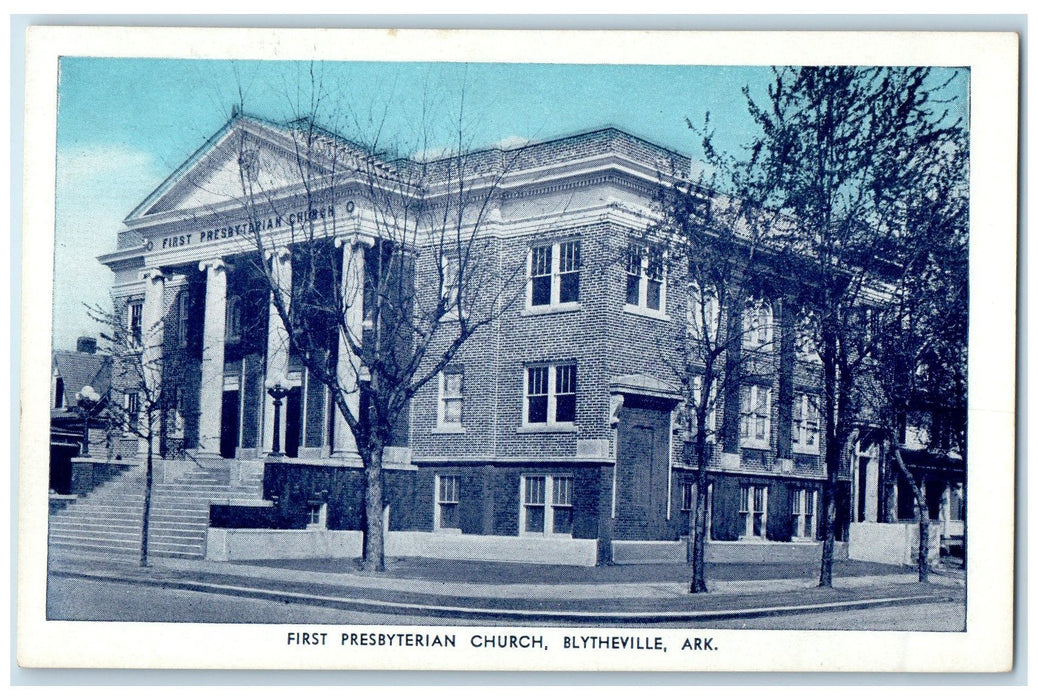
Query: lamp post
[87,400]
[277,387]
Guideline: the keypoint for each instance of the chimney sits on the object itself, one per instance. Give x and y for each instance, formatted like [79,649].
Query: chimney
[86,344]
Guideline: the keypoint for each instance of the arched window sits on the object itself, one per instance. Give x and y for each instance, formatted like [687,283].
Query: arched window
[234,319]
[757,325]
[703,314]
[807,337]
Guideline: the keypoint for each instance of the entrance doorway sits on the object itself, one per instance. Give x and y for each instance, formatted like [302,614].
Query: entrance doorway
[643,469]
[293,421]
[230,424]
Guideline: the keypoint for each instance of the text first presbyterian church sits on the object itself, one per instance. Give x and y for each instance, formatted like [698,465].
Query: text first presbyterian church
[554,434]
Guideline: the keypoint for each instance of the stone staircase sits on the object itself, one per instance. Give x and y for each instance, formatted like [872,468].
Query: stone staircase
[108,520]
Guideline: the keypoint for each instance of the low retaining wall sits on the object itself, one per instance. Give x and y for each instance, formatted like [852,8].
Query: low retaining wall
[891,543]
[741,552]
[251,544]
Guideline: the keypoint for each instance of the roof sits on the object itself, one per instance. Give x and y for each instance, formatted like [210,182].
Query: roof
[80,369]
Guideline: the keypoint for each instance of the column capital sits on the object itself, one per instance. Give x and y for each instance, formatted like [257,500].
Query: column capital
[214,264]
[355,240]
[152,275]
[281,253]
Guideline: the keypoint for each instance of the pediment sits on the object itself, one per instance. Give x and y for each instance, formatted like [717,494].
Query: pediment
[245,160]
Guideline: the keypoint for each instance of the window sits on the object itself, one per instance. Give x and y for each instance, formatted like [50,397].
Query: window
[134,322]
[547,505]
[554,275]
[234,319]
[450,284]
[59,392]
[183,308]
[755,417]
[646,277]
[688,499]
[451,397]
[805,505]
[551,394]
[133,410]
[703,316]
[806,339]
[753,512]
[805,423]
[757,325]
[447,503]
[711,414]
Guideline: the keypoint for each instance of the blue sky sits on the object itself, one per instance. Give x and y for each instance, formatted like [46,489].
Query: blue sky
[125,124]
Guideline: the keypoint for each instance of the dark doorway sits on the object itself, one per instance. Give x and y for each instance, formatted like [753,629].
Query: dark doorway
[293,421]
[643,470]
[229,424]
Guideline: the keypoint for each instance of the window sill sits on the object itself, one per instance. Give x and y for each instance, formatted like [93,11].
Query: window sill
[552,309]
[648,313]
[548,535]
[809,452]
[547,428]
[448,430]
[448,317]
[449,530]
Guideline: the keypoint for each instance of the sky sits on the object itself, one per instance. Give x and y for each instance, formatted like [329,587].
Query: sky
[125,124]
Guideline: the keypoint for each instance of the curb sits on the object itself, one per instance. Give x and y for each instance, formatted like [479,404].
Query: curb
[370,605]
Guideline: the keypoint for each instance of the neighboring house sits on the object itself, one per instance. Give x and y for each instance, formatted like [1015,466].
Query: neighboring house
[559,421]
[71,371]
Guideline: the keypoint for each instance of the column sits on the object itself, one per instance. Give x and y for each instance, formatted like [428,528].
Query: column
[153,313]
[213,337]
[872,485]
[277,339]
[350,364]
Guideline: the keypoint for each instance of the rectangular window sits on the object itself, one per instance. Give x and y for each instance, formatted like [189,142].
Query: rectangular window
[447,489]
[134,324]
[711,414]
[805,423]
[755,417]
[688,498]
[450,283]
[805,505]
[551,394]
[554,274]
[547,505]
[183,309]
[133,410]
[753,508]
[451,397]
[646,277]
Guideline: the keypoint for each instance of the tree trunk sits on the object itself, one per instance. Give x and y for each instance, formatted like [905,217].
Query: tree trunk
[146,517]
[922,560]
[374,542]
[698,537]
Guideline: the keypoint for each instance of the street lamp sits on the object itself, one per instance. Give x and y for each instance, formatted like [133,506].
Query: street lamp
[87,400]
[277,387]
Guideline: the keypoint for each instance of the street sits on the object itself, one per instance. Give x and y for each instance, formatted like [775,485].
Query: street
[71,598]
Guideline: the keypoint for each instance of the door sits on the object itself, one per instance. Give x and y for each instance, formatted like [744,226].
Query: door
[229,424]
[643,472]
[293,421]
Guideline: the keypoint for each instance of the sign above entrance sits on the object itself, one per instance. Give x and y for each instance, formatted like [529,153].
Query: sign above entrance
[251,227]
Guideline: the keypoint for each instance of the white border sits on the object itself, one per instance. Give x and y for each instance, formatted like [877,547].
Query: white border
[987,646]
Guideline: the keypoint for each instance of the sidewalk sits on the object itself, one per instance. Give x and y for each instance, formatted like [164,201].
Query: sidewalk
[643,593]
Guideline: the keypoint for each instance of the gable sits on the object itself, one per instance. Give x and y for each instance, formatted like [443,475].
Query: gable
[246,156]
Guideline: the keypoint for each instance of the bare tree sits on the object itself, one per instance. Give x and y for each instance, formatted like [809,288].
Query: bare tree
[714,247]
[416,277]
[838,150]
[144,389]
